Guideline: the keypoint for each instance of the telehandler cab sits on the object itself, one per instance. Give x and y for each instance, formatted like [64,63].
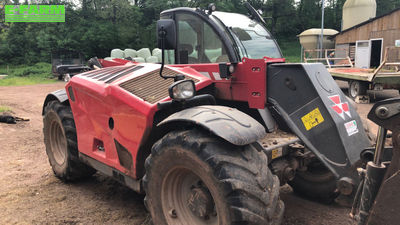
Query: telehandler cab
[211,137]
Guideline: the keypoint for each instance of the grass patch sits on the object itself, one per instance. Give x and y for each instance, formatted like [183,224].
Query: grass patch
[39,73]
[291,50]
[19,81]
[4,109]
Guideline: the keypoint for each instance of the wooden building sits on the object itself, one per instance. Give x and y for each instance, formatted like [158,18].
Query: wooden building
[366,42]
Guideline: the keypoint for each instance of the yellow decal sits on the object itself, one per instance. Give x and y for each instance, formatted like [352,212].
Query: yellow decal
[312,119]
[276,153]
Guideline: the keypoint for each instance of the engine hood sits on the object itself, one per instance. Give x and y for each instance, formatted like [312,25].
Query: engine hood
[138,80]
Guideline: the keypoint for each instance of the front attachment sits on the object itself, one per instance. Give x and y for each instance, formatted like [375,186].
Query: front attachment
[317,111]
[378,202]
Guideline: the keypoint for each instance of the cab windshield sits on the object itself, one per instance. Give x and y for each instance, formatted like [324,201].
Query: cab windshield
[252,39]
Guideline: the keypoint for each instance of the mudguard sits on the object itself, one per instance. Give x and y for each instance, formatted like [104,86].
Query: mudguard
[317,111]
[60,95]
[230,124]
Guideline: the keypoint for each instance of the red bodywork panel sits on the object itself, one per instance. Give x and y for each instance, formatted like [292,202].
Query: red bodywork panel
[247,84]
[114,62]
[96,101]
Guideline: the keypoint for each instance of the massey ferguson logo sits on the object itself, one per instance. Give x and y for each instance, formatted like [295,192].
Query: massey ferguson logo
[341,108]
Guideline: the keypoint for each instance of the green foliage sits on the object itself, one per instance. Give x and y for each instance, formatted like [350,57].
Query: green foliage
[26,75]
[19,81]
[38,70]
[385,6]
[291,50]
[95,27]
[4,108]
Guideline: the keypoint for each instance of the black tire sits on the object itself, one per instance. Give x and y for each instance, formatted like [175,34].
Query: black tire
[61,143]
[316,183]
[357,88]
[236,180]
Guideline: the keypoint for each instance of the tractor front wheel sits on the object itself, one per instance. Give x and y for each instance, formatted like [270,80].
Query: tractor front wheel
[317,182]
[196,178]
[61,143]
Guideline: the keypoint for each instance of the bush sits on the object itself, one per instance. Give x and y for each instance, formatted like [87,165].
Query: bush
[291,50]
[26,74]
[38,70]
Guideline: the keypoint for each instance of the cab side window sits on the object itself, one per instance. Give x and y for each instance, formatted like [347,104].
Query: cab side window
[197,41]
[188,35]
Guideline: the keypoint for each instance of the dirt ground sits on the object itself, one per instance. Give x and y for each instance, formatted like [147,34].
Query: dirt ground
[30,194]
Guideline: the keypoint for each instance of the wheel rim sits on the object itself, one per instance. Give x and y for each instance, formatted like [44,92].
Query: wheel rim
[354,89]
[186,199]
[58,142]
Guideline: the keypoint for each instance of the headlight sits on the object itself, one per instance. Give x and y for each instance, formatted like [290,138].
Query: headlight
[182,90]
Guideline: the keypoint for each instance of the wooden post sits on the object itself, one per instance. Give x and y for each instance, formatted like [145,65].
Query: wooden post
[326,58]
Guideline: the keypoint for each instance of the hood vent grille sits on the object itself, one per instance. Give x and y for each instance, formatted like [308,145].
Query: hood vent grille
[150,86]
[110,74]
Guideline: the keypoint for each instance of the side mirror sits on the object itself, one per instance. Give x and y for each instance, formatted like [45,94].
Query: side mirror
[166,32]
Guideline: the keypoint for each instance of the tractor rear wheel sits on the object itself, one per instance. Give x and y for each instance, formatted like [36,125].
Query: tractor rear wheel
[195,178]
[61,143]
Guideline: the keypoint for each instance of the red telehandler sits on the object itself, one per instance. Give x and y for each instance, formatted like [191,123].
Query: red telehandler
[211,137]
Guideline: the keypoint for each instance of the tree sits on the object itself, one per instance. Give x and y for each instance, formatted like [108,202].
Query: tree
[95,27]
[280,13]
[385,6]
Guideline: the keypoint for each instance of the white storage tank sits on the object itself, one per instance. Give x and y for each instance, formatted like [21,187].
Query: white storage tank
[309,39]
[357,11]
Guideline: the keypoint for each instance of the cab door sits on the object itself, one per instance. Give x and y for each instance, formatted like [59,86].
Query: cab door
[197,41]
